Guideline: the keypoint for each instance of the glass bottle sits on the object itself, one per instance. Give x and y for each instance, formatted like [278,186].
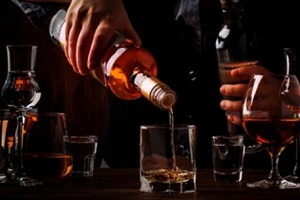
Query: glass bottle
[127,69]
[236,46]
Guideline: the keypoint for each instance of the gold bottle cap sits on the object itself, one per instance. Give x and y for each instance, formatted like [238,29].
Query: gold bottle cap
[163,97]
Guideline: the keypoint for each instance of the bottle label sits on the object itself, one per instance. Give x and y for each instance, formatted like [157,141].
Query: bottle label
[145,83]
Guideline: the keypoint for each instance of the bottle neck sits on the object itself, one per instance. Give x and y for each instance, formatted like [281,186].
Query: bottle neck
[154,90]
[237,39]
[233,12]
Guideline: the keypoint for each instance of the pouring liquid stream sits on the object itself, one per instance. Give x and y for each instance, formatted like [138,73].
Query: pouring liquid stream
[171,122]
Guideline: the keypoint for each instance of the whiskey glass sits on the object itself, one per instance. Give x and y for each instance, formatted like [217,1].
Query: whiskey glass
[268,118]
[47,152]
[168,158]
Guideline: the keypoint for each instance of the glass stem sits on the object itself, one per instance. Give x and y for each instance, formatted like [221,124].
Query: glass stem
[296,171]
[274,175]
[19,144]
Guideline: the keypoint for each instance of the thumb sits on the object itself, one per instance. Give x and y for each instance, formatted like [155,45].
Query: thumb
[132,34]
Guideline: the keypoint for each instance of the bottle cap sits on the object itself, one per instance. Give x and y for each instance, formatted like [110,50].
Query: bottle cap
[163,97]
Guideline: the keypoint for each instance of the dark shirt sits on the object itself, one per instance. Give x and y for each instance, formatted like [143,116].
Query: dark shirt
[35,12]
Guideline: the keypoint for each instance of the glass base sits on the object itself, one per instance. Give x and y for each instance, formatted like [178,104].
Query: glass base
[26,181]
[184,186]
[2,178]
[271,184]
[292,178]
[22,181]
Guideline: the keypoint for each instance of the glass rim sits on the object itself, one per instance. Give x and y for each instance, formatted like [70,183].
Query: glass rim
[83,138]
[164,126]
[227,136]
[47,113]
[21,45]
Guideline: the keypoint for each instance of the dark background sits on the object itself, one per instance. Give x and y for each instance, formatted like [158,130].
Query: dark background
[92,109]
[81,97]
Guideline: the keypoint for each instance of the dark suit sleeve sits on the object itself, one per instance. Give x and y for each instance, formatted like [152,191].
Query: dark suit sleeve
[37,13]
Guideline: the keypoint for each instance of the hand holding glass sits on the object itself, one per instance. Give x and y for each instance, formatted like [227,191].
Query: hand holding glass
[269,118]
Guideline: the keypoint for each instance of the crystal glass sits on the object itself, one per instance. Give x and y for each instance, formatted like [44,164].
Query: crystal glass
[20,92]
[168,158]
[47,153]
[268,117]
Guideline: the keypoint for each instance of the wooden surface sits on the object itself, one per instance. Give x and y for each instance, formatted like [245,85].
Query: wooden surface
[119,184]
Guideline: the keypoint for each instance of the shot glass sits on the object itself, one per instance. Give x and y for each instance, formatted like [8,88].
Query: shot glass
[228,158]
[83,149]
[167,158]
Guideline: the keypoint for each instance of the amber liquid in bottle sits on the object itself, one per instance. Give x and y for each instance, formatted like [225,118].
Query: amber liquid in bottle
[126,68]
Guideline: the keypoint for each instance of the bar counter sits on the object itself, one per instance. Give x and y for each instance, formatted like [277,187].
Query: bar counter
[119,184]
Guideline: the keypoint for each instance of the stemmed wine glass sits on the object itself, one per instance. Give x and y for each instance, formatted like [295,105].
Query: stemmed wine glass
[268,118]
[292,63]
[20,92]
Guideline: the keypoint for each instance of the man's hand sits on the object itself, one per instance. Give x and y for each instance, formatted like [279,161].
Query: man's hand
[90,26]
[238,90]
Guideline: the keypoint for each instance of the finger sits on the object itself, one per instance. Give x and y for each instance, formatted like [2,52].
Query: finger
[101,42]
[68,27]
[83,46]
[248,71]
[232,106]
[235,119]
[71,47]
[237,90]
[132,35]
